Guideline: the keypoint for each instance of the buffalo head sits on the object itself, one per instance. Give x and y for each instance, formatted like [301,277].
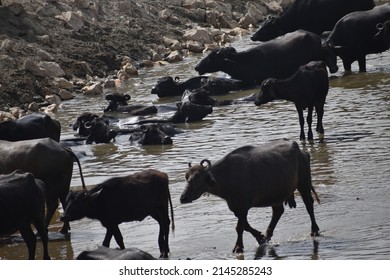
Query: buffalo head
[116,101]
[270,29]
[166,86]
[202,97]
[100,131]
[266,92]
[217,60]
[80,124]
[199,181]
[383,35]
[152,134]
[78,204]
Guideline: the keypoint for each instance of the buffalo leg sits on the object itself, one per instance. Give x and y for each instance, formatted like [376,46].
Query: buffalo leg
[301,122]
[118,236]
[66,226]
[308,200]
[52,205]
[42,231]
[107,238]
[309,120]
[30,239]
[277,212]
[320,115]
[347,65]
[163,237]
[242,225]
[362,64]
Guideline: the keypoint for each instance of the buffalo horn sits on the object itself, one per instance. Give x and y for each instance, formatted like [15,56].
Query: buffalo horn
[88,125]
[127,97]
[379,26]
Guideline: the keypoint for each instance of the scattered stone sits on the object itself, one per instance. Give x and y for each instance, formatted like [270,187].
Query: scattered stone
[94,89]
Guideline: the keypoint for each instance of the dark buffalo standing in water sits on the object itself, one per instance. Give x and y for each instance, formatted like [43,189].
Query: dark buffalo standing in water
[307,88]
[48,161]
[255,176]
[22,203]
[278,58]
[315,16]
[32,126]
[125,199]
[361,33]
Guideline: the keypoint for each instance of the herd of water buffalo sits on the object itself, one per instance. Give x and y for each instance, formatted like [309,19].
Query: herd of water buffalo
[291,64]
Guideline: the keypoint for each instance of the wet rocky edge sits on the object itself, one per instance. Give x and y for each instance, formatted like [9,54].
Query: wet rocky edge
[51,51]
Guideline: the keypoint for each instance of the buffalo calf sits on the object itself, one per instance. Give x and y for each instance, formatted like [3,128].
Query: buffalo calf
[307,88]
[125,199]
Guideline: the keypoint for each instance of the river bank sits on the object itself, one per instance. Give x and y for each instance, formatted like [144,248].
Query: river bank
[64,48]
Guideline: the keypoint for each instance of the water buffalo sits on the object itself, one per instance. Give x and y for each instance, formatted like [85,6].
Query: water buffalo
[202,96]
[167,86]
[104,253]
[255,176]
[80,126]
[22,203]
[125,199]
[315,16]
[32,126]
[151,134]
[356,35]
[118,103]
[307,88]
[95,128]
[278,58]
[186,112]
[48,161]
[100,131]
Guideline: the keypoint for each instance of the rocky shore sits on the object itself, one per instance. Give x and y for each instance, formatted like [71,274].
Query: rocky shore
[51,51]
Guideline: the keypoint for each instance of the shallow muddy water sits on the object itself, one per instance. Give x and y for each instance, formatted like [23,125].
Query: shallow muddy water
[350,171]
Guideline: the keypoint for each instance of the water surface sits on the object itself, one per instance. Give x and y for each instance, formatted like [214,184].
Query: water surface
[350,171]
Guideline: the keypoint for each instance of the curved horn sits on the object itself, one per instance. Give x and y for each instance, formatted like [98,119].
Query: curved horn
[127,97]
[88,125]
[177,79]
[189,165]
[379,26]
[208,163]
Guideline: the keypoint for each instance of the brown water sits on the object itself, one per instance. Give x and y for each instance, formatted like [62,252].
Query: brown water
[350,170]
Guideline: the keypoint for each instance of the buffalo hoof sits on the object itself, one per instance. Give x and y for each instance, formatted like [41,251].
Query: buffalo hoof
[261,239]
[164,255]
[315,234]
[238,249]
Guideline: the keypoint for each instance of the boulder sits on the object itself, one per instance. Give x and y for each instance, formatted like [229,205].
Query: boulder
[199,35]
[174,56]
[94,89]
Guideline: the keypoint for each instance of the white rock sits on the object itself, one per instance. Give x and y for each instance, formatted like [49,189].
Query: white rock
[199,35]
